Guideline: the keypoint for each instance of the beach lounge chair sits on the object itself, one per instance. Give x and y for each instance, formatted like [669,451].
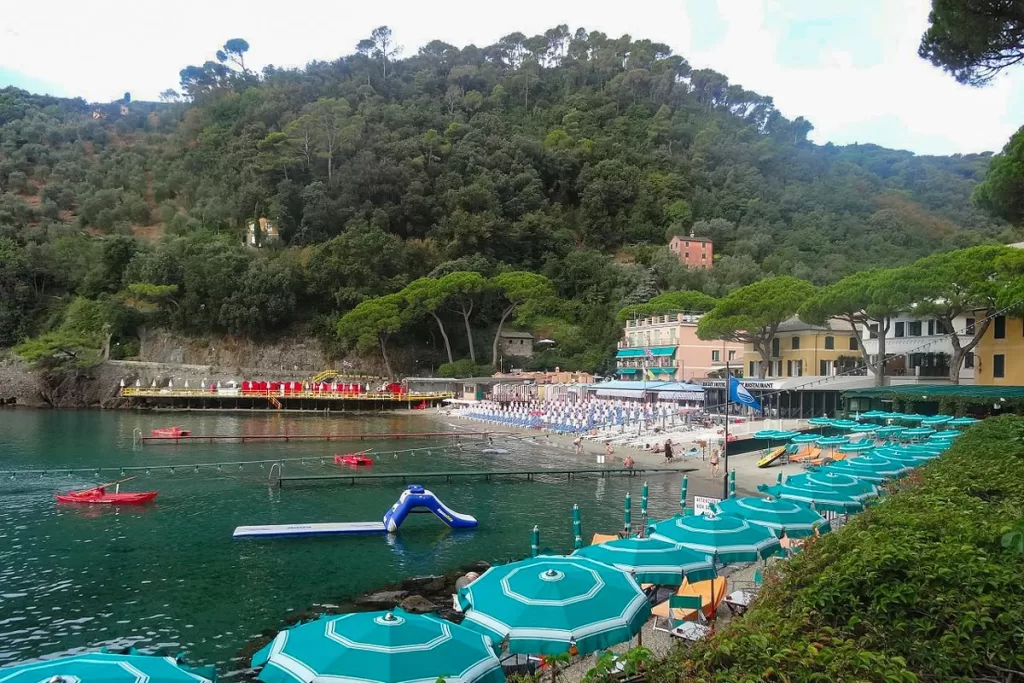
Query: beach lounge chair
[684,605]
[743,593]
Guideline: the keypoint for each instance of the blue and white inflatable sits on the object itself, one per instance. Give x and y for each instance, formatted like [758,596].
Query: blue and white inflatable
[415,496]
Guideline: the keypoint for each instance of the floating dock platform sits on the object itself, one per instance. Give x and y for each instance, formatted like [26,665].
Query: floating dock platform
[302,530]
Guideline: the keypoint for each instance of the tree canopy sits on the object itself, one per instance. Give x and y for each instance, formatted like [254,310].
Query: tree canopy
[974,39]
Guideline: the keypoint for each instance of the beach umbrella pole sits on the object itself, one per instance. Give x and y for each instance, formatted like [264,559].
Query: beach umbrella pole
[535,541]
[627,514]
[682,494]
[577,528]
[732,483]
[643,509]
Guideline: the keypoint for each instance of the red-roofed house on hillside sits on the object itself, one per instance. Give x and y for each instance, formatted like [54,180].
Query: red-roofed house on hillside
[693,252]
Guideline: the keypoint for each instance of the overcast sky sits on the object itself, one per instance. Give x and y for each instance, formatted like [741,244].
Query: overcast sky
[851,68]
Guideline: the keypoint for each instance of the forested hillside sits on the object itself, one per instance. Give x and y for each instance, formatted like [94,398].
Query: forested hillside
[573,155]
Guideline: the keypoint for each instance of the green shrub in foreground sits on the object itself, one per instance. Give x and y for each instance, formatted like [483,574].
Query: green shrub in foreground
[919,587]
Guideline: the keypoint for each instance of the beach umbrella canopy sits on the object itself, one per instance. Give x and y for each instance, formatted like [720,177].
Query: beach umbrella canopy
[100,667]
[911,418]
[936,420]
[875,470]
[766,434]
[856,447]
[545,605]
[845,424]
[909,458]
[820,422]
[821,498]
[889,431]
[875,415]
[785,435]
[382,647]
[651,560]
[943,435]
[798,519]
[805,438]
[728,538]
[863,430]
[833,440]
[834,481]
[917,433]
[961,422]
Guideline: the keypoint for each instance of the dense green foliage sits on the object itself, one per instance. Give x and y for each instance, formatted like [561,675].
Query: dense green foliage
[924,586]
[571,155]
[974,39]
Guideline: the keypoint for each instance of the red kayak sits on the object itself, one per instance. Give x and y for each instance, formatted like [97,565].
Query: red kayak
[171,431]
[100,497]
[353,460]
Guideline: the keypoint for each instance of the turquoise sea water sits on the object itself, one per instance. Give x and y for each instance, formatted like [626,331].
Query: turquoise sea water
[169,575]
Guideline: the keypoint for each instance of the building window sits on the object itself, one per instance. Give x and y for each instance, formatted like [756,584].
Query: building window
[999,327]
[687,254]
[716,356]
[830,343]
[825,368]
[900,329]
[969,360]
[914,328]
[970,326]
[732,354]
[775,347]
[853,343]
[931,328]
[940,327]
[796,343]
[752,373]
[999,365]
[687,244]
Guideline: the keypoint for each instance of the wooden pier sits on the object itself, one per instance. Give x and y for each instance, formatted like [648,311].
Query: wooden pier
[243,438]
[487,475]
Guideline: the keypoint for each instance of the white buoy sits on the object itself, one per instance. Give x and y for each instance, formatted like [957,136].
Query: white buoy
[138,382]
[170,384]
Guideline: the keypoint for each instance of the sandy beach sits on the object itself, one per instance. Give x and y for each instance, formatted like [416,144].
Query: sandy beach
[748,475]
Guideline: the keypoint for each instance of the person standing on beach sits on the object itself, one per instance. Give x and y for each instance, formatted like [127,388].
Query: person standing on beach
[668,450]
[714,462]
[577,445]
[608,450]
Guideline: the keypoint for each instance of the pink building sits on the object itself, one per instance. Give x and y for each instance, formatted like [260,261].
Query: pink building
[693,252]
[666,347]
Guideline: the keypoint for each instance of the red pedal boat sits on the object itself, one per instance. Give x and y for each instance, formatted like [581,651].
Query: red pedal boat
[353,459]
[171,431]
[99,496]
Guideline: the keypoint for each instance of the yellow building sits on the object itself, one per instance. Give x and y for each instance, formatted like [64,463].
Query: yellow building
[800,349]
[999,355]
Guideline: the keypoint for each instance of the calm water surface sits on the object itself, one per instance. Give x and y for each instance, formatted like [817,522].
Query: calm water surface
[168,575]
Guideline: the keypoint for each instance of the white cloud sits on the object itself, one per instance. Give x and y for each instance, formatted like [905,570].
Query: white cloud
[102,48]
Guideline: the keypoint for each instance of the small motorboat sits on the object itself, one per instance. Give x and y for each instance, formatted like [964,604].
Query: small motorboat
[99,496]
[353,459]
[173,432]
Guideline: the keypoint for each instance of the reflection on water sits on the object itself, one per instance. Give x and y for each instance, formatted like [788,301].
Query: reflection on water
[169,575]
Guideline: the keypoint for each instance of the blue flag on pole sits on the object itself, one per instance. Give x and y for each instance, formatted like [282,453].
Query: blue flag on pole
[739,394]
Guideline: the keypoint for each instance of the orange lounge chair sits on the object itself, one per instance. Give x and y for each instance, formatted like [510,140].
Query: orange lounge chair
[805,455]
[603,538]
[711,593]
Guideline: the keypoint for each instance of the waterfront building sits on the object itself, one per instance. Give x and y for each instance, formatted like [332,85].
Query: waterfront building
[666,348]
[516,343]
[801,349]
[999,355]
[921,348]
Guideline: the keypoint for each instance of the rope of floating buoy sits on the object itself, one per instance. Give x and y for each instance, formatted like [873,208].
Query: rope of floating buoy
[197,467]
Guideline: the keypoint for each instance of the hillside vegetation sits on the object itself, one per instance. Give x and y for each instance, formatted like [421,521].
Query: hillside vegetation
[571,155]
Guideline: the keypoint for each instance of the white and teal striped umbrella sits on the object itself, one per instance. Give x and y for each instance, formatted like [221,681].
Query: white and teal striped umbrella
[961,421]
[776,515]
[820,498]
[856,447]
[904,456]
[845,424]
[546,605]
[917,433]
[889,431]
[936,420]
[875,415]
[876,470]
[945,435]
[101,667]
[727,538]
[653,561]
[863,430]
[820,422]
[805,438]
[379,647]
[834,481]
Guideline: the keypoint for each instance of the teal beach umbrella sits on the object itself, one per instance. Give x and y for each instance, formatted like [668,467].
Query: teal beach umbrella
[546,605]
[653,561]
[961,422]
[798,519]
[820,422]
[820,498]
[727,538]
[805,438]
[834,481]
[944,435]
[917,433]
[101,667]
[845,424]
[856,447]
[936,420]
[893,430]
[379,647]
[875,415]
[875,473]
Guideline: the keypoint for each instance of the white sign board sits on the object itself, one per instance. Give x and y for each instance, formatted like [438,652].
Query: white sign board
[702,504]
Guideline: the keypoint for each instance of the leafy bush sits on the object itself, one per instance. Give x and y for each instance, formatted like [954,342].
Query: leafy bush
[464,367]
[919,587]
